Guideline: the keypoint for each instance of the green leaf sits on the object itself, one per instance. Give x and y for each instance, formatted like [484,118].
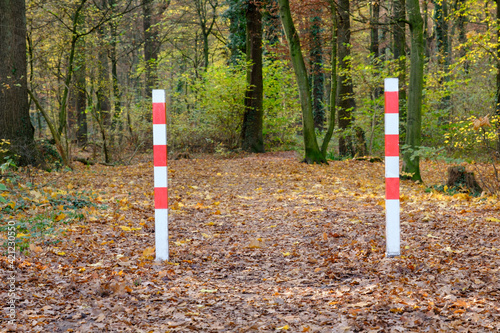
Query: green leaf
[3,187]
[208,291]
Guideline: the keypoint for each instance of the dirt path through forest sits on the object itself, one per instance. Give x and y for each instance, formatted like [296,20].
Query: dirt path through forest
[262,244]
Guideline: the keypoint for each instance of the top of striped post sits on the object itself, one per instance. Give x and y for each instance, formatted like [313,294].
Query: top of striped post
[391,85]
[158,96]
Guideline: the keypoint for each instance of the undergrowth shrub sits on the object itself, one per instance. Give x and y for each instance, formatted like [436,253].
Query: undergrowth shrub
[478,137]
[40,214]
[282,114]
[368,74]
[206,112]
[208,109]
[472,136]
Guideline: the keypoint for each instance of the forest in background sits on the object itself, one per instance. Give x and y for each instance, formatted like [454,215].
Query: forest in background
[259,242]
[91,66]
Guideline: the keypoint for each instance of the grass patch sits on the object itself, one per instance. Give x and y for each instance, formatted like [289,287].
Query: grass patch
[41,216]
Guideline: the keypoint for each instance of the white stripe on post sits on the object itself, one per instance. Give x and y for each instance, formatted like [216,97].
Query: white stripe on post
[392,228]
[159,96]
[160,174]
[392,219]
[391,167]
[161,234]
[392,123]
[159,134]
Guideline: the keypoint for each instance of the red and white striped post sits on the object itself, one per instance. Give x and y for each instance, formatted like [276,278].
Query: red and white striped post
[160,174]
[392,227]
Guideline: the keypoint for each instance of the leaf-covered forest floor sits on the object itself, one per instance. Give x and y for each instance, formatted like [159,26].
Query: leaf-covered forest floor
[261,243]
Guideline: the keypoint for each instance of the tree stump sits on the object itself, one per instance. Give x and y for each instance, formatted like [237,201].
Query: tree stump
[459,178]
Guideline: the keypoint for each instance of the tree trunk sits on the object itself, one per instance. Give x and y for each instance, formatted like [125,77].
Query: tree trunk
[374,40]
[312,152]
[103,111]
[77,122]
[206,24]
[317,75]
[442,40]
[333,81]
[206,51]
[150,53]
[114,77]
[15,123]
[375,45]
[427,37]
[411,167]
[63,112]
[443,54]
[237,30]
[345,92]
[81,106]
[462,31]
[399,37]
[251,132]
[79,92]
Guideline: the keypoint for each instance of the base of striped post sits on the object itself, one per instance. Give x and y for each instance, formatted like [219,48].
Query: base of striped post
[392,235]
[161,234]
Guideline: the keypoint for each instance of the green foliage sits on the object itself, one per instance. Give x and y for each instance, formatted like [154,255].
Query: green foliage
[451,190]
[140,130]
[207,112]
[64,208]
[41,227]
[8,163]
[368,75]
[477,138]
[422,152]
[3,146]
[51,157]
[208,109]
[8,160]
[281,106]
[2,188]
[466,136]
[332,156]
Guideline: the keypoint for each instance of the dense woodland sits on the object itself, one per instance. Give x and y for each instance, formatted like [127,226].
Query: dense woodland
[249,75]
[257,240]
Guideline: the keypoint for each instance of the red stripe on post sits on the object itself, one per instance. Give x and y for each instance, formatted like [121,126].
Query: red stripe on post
[392,145]
[160,155]
[159,114]
[391,102]
[392,188]
[161,198]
